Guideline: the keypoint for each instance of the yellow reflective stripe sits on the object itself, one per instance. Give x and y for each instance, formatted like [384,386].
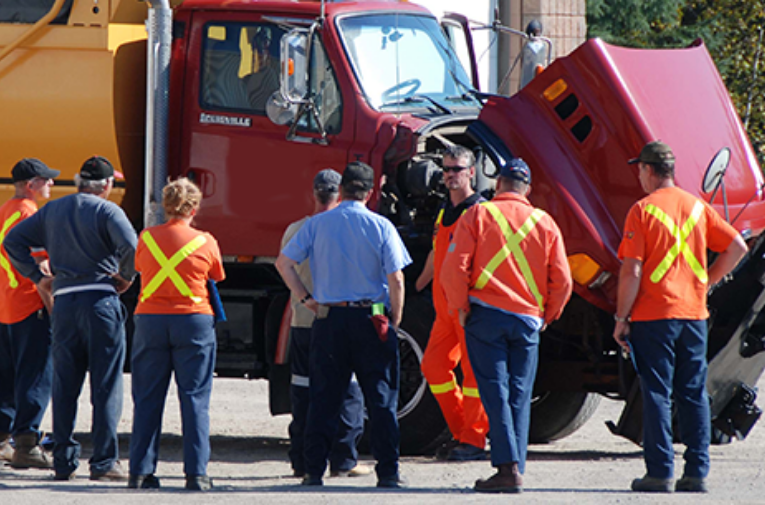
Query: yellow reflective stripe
[439,389]
[512,246]
[438,223]
[680,246]
[471,392]
[168,266]
[12,282]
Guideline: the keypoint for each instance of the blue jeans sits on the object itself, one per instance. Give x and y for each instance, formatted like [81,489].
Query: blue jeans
[26,373]
[671,360]
[504,352]
[344,454]
[163,344]
[343,343]
[88,334]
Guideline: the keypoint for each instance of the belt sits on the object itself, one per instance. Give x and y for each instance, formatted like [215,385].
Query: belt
[358,304]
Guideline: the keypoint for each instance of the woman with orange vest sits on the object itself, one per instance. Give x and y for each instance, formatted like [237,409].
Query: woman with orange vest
[174,332]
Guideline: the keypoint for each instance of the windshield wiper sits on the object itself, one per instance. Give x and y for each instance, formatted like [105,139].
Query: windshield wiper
[421,98]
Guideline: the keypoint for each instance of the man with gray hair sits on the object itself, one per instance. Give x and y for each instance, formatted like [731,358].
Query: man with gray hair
[344,454]
[91,245]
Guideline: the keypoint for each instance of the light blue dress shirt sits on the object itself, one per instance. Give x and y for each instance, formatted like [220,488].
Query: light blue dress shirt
[351,251]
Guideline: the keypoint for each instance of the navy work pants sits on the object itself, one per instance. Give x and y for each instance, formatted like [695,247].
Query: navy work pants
[26,373]
[163,344]
[671,360]
[88,334]
[344,454]
[504,352]
[343,343]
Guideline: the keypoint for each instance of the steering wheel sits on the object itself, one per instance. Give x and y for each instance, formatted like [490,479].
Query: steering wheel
[410,87]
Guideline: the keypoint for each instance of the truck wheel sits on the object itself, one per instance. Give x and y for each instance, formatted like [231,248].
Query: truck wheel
[558,414]
[421,424]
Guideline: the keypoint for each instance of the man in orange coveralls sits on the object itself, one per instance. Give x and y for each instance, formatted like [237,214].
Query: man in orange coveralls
[446,349]
[506,272]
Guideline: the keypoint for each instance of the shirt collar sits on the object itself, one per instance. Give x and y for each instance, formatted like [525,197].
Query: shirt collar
[510,196]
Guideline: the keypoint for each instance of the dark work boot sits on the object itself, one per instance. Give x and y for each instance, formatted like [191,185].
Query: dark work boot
[6,451]
[508,479]
[29,454]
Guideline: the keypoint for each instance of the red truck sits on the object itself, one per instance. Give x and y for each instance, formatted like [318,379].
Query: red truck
[259,95]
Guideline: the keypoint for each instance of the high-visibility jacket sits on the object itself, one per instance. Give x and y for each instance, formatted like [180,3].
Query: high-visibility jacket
[18,295]
[175,261]
[669,231]
[508,255]
[443,232]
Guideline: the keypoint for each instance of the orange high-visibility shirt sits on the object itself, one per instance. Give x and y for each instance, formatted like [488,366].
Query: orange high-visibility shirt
[679,293]
[478,239]
[202,264]
[16,303]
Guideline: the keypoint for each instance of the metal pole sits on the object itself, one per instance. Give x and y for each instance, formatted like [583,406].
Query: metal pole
[159,27]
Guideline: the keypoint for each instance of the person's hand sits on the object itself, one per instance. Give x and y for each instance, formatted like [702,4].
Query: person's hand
[464,314]
[120,283]
[312,305]
[45,289]
[621,332]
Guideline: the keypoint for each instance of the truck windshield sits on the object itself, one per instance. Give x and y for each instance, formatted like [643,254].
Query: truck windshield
[404,61]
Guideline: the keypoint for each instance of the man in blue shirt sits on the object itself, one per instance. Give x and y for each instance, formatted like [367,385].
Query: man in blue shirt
[356,259]
[91,245]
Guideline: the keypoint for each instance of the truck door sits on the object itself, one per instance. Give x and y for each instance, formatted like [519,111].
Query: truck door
[255,182]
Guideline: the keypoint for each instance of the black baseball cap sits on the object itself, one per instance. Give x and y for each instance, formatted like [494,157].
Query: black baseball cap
[98,168]
[654,152]
[516,169]
[358,175]
[29,168]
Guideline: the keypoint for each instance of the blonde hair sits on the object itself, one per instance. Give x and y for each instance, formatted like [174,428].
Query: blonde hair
[180,197]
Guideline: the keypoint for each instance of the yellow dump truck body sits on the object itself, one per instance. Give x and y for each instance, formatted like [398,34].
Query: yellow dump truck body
[71,91]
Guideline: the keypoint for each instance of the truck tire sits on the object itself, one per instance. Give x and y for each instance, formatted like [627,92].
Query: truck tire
[558,414]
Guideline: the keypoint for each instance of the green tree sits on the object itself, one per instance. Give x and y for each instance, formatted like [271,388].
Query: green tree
[731,29]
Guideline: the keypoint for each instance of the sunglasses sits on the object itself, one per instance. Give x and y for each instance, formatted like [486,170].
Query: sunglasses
[456,168]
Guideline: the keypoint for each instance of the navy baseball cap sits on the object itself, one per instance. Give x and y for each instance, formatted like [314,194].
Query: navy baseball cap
[516,169]
[98,168]
[327,181]
[29,168]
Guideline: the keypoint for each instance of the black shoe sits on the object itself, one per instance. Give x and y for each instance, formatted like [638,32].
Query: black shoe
[391,482]
[198,483]
[64,476]
[466,452]
[650,484]
[312,480]
[691,485]
[442,452]
[143,482]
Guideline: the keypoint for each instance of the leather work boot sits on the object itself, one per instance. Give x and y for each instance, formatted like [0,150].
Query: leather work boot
[6,451]
[29,454]
[508,479]
[198,483]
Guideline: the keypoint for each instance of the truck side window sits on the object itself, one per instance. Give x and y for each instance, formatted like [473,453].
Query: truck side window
[326,93]
[240,66]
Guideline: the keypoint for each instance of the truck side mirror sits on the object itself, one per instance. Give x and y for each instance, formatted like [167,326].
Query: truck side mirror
[294,65]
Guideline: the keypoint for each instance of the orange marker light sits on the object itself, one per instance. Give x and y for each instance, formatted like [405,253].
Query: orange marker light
[555,90]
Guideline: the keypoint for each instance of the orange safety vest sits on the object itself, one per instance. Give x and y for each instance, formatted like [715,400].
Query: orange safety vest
[168,267]
[512,248]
